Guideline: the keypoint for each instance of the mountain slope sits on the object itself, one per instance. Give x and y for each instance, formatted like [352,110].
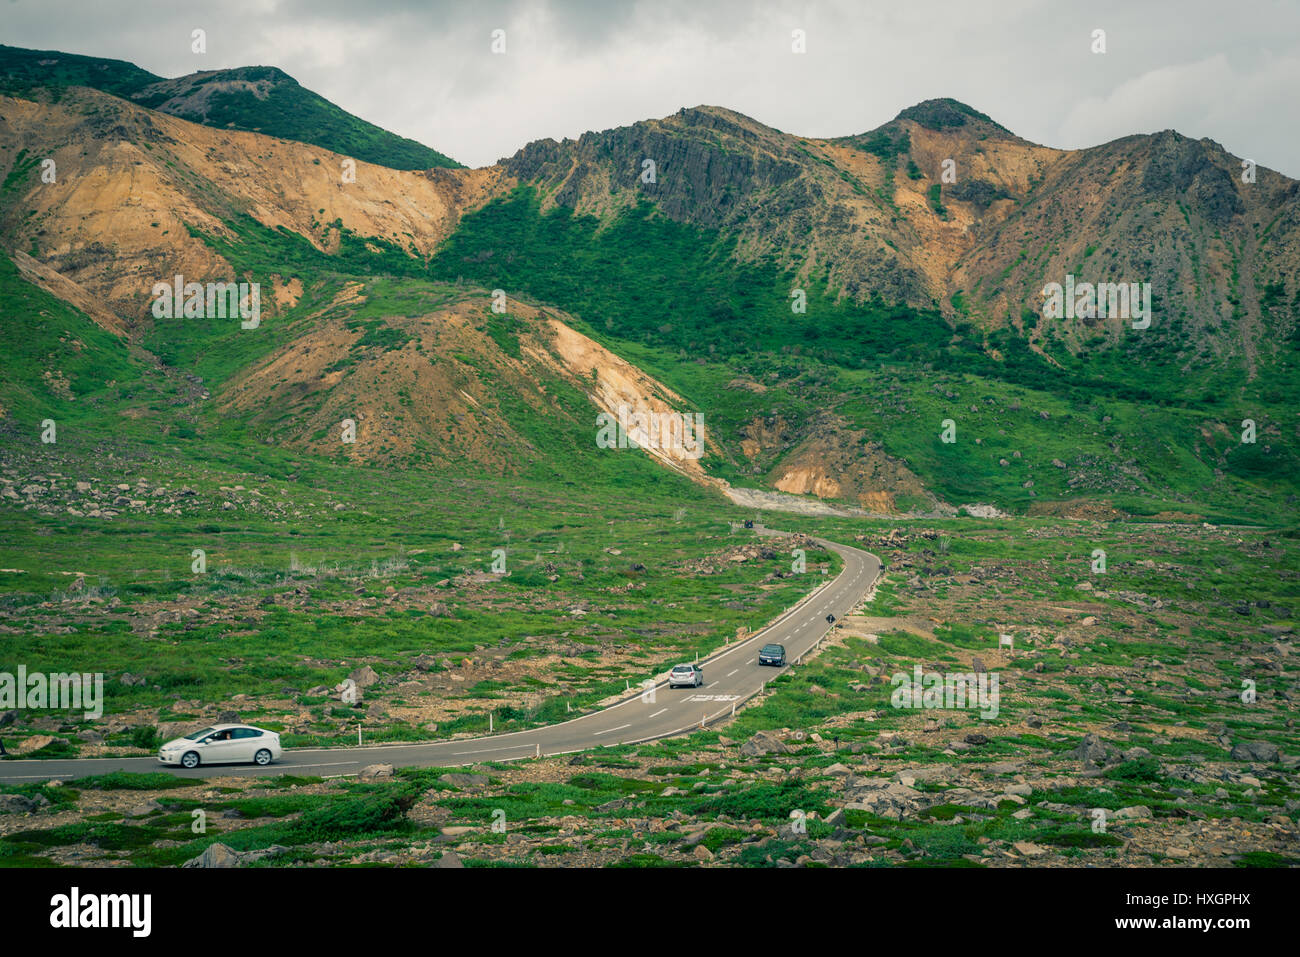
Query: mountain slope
[258,99]
[132,183]
[57,362]
[872,216]
[826,305]
[431,376]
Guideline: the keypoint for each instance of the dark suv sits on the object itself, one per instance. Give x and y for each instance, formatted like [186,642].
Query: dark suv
[772,655]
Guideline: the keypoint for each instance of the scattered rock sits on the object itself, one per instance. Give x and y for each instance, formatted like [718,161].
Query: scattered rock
[459,780]
[215,855]
[145,809]
[21,804]
[763,743]
[1028,849]
[1259,751]
[1094,752]
[364,677]
[36,742]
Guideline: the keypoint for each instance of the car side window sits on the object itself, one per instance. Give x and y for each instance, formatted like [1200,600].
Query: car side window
[247,733]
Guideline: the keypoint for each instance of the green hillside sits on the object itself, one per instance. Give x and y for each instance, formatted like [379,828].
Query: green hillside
[56,361]
[1130,425]
[1126,427]
[279,107]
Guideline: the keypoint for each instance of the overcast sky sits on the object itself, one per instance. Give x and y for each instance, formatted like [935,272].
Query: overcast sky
[1229,71]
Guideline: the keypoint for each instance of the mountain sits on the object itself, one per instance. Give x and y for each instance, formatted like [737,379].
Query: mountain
[133,184]
[258,99]
[869,216]
[827,304]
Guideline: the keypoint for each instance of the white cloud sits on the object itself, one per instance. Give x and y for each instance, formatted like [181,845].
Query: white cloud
[423,69]
[1250,109]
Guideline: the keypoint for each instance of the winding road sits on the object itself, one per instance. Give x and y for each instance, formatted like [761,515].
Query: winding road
[731,675]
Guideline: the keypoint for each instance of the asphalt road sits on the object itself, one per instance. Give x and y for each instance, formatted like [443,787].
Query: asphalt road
[730,676]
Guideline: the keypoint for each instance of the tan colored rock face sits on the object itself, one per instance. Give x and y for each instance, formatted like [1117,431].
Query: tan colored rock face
[613,384]
[323,377]
[130,181]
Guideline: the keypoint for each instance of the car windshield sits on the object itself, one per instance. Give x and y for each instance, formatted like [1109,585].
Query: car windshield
[773,649]
[198,734]
[682,668]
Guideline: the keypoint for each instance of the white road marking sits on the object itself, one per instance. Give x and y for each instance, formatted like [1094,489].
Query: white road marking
[489,750]
[658,713]
[619,728]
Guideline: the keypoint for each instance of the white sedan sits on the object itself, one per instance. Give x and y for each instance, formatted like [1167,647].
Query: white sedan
[222,744]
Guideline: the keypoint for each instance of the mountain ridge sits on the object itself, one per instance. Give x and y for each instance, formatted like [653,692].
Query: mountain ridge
[697,263]
[261,99]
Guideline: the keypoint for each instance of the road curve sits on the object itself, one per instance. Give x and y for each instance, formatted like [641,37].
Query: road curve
[731,675]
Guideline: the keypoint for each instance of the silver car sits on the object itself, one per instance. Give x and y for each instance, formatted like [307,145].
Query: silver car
[223,744]
[685,676]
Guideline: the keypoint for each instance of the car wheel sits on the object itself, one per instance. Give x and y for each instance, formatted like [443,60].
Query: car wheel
[190,759]
[263,757]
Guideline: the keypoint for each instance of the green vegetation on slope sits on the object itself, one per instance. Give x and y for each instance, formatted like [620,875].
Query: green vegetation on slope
[282,107]
[57,362]
[1127,423]
[24,70]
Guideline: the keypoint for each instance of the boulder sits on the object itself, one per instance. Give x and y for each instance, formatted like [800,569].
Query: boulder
[1260,751]
[763,743]
[1094,752]
[364,677]
[460,780]
[141,810]
[36,742]
[215,855]
[21,804]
